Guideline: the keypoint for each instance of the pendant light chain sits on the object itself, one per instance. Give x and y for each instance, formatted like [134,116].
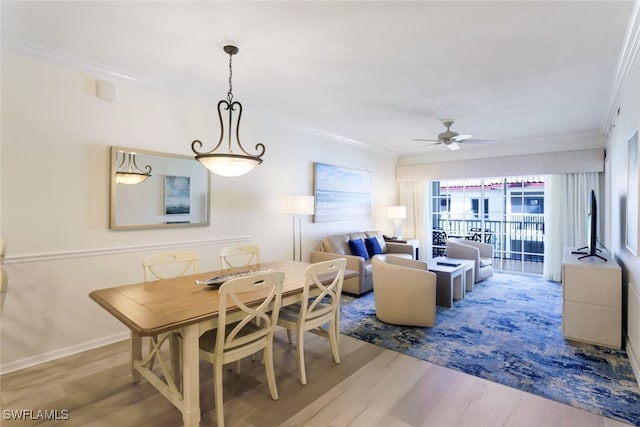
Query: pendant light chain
[230,93]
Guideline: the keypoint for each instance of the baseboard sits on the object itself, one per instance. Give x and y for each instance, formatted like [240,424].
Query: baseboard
[67,351]
[633,360]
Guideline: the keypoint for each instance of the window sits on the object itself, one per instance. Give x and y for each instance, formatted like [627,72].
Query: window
[507,212]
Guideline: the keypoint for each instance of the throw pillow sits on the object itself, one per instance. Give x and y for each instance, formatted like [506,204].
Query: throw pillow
[373,246]
[357,248]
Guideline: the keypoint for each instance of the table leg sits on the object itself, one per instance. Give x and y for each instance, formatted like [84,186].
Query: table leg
[136,354]
[190,377]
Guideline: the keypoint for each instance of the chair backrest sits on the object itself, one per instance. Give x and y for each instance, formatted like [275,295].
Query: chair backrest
[170,264]
[259,320]
[318,309]
[239,256]
[4,286]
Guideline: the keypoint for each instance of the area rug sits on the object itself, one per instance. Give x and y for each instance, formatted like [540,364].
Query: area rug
[509,330]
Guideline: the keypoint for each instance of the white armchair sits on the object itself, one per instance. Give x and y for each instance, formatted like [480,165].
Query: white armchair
[404,291]
[481,253]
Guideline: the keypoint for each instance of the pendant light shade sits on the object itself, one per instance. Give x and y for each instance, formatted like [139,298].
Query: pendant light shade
[229,162]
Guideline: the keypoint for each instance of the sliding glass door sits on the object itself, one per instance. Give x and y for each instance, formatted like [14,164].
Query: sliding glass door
[506,212]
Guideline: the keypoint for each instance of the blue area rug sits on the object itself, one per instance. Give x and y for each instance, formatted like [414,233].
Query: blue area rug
[509,330]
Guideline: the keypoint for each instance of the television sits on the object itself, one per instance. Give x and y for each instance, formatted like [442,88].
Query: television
[592,230]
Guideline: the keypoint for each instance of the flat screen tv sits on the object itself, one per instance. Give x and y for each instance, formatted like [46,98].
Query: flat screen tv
[592,230]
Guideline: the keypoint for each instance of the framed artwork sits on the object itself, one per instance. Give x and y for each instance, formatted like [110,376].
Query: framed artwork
[632,194]
[177,195]
[341,194]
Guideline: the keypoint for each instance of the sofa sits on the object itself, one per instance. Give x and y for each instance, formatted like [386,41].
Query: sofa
[480,253]
[404,291]
[349,246]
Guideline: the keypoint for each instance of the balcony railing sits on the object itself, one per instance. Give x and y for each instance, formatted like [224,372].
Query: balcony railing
[517,237]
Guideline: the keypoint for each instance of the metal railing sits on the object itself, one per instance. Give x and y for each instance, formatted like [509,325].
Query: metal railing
[516,237]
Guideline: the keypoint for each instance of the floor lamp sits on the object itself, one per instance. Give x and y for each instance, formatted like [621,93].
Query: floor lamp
[297,206]
[397,214]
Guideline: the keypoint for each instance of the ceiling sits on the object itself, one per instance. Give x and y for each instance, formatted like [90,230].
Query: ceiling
[378,73]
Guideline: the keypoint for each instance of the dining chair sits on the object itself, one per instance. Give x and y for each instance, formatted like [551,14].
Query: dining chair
[4,275]
[239,256]
[3,250]
[253,332]
[313,312]
[170,264]
[4,287]
[163,266]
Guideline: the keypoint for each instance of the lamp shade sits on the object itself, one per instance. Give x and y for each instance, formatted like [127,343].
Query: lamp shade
[397,212]
[297,205]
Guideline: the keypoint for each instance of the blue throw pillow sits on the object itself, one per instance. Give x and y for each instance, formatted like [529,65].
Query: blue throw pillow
[357,248]
[373,246]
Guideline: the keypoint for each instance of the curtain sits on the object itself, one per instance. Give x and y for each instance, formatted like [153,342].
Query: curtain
[412,195]
[565,216]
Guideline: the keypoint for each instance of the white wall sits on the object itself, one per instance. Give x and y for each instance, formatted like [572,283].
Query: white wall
[624,124]
[56,136]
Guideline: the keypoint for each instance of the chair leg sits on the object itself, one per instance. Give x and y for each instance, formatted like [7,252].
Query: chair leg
[301,368]
[333,340]
[268,366]
[217,391]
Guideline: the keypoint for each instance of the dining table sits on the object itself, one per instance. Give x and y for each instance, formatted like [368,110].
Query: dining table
[179,305]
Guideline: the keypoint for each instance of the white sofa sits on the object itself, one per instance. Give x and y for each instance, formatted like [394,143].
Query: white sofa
[481,253]
[404,291]
[337,246]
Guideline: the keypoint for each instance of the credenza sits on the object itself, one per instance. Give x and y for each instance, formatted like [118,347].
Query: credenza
[592,299]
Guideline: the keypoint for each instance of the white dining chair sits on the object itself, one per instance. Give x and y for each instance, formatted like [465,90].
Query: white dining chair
[170,264]
[313,312]
[163,266]
[239,256]
[3,250]
[254,332]
[4,287]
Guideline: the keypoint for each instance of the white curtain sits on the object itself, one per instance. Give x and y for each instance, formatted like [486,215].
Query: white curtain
[565,216]
[412,195]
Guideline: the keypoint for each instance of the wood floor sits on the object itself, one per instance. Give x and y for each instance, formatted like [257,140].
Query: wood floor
[371,387]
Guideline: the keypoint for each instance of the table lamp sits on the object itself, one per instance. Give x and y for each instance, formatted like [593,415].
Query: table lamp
[397,214]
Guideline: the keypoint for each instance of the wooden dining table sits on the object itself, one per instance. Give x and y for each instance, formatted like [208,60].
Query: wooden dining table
[179,305]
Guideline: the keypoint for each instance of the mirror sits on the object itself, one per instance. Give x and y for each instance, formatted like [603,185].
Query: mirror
[176,194]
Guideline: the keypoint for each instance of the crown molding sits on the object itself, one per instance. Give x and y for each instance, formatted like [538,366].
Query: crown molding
[626,59]
[100,70]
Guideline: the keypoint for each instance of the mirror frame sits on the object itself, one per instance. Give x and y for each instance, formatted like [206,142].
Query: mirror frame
[113,192]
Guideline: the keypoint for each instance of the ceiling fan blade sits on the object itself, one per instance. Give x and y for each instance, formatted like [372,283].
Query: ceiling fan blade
[427,140]
[461,138]
[453,146]
[478,141]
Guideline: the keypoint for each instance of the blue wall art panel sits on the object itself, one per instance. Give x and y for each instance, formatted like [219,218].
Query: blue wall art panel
[342,194]
[177,195]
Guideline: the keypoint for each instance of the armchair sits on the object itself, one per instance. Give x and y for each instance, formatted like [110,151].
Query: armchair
[404,291]
[480,253]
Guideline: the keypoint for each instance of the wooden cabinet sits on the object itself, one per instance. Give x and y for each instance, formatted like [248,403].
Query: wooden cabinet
[592,299]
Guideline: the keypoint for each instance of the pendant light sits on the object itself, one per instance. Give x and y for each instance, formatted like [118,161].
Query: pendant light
[229,163]
[131,174]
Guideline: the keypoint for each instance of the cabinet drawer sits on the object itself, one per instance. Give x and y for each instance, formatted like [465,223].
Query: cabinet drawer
[592,323]
[592,286]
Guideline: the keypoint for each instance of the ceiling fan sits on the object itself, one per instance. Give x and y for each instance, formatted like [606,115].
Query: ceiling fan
[450,138]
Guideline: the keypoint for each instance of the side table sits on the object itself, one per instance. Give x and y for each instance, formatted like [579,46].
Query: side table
[449,283]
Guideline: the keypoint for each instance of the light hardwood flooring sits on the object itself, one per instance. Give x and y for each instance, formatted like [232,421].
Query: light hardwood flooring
[371,387]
